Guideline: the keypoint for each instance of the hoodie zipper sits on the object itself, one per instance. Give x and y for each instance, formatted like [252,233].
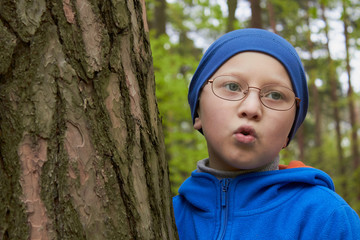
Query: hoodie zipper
[224,208]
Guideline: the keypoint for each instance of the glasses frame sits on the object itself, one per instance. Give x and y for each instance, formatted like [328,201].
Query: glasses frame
[296,100]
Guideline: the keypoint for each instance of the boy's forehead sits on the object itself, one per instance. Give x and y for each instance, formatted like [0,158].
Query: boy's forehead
[233,66]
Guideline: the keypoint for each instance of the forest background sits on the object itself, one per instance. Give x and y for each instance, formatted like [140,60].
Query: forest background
[326,34]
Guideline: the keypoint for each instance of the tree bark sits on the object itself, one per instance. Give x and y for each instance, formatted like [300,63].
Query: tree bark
[350,94]
[256,21]
[351,105]
[159,21]
[232,5]
[316,102]
[272,17]
[336,112]
[82,152]
[300,138]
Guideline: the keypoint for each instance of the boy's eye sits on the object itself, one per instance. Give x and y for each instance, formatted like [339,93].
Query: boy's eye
[232,86]
[274,95]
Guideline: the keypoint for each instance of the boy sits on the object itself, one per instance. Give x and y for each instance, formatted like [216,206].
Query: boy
[248,97]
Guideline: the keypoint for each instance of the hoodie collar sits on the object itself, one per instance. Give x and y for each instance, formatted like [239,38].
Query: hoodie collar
[203,166]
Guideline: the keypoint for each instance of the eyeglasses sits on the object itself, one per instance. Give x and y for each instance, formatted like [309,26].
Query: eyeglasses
[273,96]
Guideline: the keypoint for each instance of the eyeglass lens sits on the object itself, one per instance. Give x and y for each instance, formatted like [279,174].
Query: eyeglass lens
[273,96]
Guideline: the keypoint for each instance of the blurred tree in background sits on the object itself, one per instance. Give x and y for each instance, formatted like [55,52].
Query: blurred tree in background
[326,34]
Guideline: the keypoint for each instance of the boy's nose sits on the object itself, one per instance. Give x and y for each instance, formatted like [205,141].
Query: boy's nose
[251,106]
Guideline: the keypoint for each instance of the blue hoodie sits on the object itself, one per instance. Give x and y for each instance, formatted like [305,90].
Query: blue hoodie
[297,203]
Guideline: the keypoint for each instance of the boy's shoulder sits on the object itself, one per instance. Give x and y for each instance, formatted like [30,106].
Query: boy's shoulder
[302,186]
[301,198]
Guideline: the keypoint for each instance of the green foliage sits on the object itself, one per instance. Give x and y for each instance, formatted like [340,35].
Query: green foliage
[173,70]
[202,17]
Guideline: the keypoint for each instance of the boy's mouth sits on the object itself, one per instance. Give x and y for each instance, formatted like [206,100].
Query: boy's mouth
[245,134]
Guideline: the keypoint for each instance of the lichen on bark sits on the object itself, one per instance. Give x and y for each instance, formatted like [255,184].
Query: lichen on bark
[7,43]
[24,16]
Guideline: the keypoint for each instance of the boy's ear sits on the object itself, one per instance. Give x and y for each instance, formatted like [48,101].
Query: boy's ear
[286,143]
[197,123]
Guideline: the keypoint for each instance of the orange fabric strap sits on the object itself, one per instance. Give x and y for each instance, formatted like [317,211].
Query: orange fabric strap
[292,164]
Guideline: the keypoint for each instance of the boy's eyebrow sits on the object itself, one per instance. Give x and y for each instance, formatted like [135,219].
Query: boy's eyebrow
[272,79]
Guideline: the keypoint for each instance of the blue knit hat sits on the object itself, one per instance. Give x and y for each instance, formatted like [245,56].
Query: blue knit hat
[257,40]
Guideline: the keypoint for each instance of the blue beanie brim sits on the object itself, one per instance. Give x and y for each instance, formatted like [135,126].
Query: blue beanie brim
[257,40]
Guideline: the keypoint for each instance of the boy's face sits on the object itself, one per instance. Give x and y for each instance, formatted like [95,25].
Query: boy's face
[224,122]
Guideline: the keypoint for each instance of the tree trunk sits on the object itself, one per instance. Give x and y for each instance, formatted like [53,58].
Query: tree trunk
[334,99]
[316,102]
[351,104]
[272,17]
[300,138]
[256,21]
[318,121]
[159,20]
[82,152]
[232,5]
[353,122]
